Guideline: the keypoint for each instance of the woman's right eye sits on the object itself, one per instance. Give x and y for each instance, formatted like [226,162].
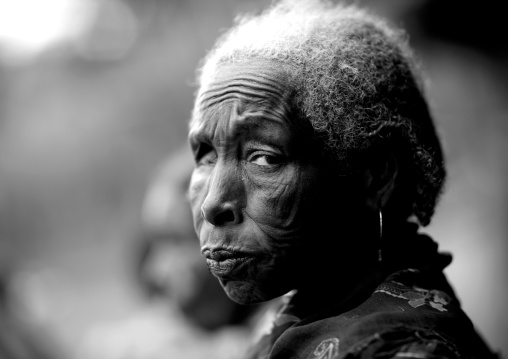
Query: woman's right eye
[206,155]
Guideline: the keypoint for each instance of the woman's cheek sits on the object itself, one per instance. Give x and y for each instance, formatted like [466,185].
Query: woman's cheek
[275,211]
[289,198]
[281,196]
[197,195]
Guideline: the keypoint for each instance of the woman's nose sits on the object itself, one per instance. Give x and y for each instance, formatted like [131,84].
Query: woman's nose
[222,204]
[221,215]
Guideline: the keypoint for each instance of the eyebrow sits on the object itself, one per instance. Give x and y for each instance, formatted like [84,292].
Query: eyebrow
[201,133]
[248,119]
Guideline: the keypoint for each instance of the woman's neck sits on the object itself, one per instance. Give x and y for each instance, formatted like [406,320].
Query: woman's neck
[341,291]
[345,273]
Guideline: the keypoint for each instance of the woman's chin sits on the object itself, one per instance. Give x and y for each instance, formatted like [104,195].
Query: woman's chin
[246,293]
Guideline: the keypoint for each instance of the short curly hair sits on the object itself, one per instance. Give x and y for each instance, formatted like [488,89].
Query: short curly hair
[356,81]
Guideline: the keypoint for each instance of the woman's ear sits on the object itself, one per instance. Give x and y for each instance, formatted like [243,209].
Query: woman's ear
[380,180]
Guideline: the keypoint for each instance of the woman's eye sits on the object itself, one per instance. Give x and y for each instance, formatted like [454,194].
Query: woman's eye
[209,158]
[206,155]
[264,160]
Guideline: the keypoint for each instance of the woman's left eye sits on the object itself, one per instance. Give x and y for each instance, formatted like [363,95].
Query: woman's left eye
[264,160]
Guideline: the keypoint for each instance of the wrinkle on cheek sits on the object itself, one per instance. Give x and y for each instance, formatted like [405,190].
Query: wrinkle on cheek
[280,241]
[285,201]
[284,205]
[284,214]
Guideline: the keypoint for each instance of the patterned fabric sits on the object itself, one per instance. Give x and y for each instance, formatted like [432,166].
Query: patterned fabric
[405,342]
[413,313]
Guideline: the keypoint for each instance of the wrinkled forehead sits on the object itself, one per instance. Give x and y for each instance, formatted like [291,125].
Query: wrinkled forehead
[250,83]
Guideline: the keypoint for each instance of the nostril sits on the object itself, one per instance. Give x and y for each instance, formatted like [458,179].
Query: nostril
[224,217]
[220,215]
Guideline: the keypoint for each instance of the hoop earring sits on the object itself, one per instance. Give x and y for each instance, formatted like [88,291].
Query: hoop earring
[379,251]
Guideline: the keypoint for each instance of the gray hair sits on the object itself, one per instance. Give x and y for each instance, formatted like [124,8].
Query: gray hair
[355,80]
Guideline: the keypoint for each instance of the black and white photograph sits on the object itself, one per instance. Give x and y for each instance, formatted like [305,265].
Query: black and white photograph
[253,179]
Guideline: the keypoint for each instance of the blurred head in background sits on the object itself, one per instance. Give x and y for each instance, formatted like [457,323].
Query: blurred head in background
[169,265]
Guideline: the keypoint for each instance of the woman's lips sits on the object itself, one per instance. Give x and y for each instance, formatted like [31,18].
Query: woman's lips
[226,267]
[223,262]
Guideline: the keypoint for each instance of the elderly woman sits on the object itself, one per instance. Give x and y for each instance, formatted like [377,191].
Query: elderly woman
[316,161]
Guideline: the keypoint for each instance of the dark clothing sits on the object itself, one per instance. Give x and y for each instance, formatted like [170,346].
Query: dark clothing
[413,313]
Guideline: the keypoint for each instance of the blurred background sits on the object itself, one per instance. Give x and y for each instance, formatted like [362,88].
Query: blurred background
[94,99]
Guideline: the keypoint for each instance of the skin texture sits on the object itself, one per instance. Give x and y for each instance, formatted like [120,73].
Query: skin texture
[264,203]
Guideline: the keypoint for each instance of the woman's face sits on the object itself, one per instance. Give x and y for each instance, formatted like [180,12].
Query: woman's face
[254,190]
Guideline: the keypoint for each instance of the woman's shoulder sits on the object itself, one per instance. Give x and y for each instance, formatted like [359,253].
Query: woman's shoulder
[412,314]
